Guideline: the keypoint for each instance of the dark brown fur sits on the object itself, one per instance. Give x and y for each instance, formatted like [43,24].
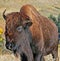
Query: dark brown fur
[20,39]
[44,31]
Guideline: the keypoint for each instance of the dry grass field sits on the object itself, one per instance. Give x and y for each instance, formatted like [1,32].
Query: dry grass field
[8,57]
[45,7]
[11,57]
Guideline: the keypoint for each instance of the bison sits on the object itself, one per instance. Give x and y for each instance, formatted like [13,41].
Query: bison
[44,32]
[41,34]
[18,37]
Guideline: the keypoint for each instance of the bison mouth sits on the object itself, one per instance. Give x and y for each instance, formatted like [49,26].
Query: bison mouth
[14,48]
[11,46]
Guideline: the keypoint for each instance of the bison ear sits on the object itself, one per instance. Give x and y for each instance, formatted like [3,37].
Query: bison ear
[4,16]
[27,23]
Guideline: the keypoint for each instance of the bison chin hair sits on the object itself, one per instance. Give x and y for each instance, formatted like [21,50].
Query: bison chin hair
[23,57]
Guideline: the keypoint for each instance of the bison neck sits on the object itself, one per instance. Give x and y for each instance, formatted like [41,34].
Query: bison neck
[28,34]
[32,44]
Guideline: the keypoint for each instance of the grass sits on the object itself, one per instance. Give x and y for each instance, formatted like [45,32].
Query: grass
[11,57]
[45,7]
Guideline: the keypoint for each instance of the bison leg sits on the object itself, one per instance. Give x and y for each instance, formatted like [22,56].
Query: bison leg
[39,57]
[28,53]
[55,55]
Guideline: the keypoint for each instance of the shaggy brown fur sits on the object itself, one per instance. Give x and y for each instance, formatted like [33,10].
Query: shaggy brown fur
[44,31]
[17,41]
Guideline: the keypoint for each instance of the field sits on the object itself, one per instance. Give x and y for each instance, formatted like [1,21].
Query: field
[11,57]
[45,7]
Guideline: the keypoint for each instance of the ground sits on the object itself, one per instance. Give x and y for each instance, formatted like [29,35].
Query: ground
[11,57]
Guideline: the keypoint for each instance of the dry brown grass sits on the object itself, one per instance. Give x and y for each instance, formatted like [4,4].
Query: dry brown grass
[8,57]
[11,57]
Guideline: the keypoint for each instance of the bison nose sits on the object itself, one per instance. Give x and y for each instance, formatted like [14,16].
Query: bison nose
[8,46]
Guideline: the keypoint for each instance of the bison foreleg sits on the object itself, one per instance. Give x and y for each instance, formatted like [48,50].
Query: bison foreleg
[55,54]
[26,49]
[39,57]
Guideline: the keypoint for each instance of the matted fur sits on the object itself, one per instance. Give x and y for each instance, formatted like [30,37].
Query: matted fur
[44,31]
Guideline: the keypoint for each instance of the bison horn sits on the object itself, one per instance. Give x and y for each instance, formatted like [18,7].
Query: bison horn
[4,16]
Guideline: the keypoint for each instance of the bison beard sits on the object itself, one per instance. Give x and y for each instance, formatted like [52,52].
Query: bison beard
[23,57]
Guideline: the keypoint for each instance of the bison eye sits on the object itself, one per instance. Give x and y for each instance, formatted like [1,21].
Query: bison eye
[19,29]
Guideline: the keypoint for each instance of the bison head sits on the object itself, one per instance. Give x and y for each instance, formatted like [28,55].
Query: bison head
[16,30]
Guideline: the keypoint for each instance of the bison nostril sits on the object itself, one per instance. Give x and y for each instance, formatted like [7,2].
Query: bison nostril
[8,45]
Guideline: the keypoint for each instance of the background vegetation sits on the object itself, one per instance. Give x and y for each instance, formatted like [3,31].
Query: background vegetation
[56,20]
